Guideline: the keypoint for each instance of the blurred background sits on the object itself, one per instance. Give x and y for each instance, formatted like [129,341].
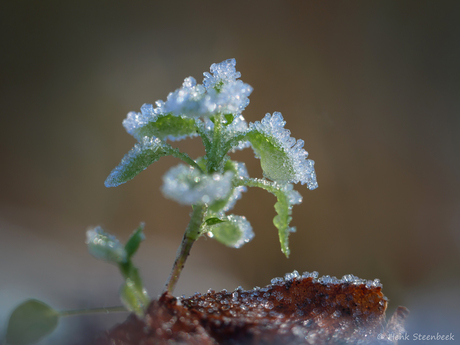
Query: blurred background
[372,87]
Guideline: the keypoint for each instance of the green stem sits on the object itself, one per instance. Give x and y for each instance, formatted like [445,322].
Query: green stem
[191,235]
[92,311]
[232,142]
[214,160]
[204,137]
[185,157]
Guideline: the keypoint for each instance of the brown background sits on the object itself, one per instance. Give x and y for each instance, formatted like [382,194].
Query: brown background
[372,87]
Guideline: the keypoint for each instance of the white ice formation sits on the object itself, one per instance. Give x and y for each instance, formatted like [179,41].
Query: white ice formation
[188,186]
[325,280]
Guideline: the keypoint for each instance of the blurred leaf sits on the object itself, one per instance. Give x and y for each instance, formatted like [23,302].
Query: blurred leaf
[229,118]
[30,322]
[134,241]
[104,246]
[144,153]
[134,297]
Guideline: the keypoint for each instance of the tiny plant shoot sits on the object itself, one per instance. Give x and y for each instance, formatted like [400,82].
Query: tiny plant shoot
[211,185]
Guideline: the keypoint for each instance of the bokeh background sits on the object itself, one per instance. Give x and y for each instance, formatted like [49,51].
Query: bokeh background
[373,87]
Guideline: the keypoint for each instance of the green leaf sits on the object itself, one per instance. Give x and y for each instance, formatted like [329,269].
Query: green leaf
[166,127]
[282,220]
[144,153]
[212,221]
[134,297]
[234,231]
[30,322]
[229,118]
[287,198]
[134,241]
[275,162]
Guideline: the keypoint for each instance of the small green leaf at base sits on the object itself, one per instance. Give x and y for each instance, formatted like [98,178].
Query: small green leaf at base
[134,241]
[30,322]
[134,297]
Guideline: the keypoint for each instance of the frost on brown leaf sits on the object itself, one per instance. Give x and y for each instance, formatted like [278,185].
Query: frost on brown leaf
[297,310]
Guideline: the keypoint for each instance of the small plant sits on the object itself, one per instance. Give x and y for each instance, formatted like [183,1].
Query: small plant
[211,184]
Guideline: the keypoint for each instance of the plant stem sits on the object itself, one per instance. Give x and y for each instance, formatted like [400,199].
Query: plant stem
[92,311]
[214,160]
[185,157]
[191,235]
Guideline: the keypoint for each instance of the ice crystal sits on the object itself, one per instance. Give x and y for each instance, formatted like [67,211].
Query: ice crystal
[222,73]
[221,93]
[188,186]
[190,100]
[292,164]
[148,114]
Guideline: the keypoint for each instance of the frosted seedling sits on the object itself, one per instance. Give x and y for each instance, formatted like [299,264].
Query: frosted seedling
[212,184]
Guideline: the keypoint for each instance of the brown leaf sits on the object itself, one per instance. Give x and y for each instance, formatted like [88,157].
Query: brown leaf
[298,310]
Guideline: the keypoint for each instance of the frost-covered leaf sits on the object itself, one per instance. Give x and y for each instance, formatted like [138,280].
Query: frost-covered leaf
[222,93]
[222,73]
[30,322]
[190,100]
[287,197]
[153,122]
[234,232]
[144,153]
[188,186]
[134,298]
[283,159]
[105,247]
[134,241]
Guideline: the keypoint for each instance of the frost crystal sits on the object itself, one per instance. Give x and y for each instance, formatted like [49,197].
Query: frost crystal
[148,114]
[222,73]
[188,186]
[346,279]
[296,167]
[221,93]
[190,100]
